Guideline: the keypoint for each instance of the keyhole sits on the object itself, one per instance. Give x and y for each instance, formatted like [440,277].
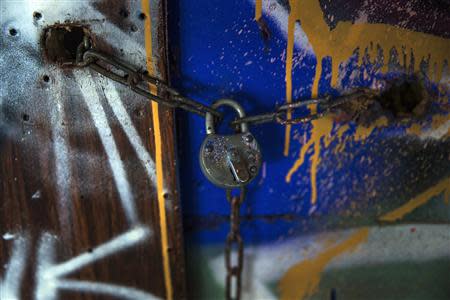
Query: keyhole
[232,174]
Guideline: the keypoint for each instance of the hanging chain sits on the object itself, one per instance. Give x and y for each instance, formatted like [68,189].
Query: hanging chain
[234,242]
[139,81]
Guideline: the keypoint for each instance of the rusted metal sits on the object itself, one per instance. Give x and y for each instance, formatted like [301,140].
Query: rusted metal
[234,241]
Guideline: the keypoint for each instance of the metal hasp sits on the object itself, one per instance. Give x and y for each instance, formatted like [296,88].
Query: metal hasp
[229,161]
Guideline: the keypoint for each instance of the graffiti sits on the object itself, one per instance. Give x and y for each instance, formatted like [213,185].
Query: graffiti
[341,43]
[301,262]
[378,41]
[303,278]
[298,273]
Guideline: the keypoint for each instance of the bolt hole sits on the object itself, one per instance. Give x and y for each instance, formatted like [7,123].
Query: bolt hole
[124,13]
[134,28]
[142,16]
[26,117]
[90,250]
[37,15]
[46,78]
[166,196]
[12,32]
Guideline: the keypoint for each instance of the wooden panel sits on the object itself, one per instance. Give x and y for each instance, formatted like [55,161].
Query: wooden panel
[80,216]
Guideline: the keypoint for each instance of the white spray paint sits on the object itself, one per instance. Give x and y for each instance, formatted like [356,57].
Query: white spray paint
[112,290]
[10,286]
[91,98]
[61,152]
[8,236]
[46,288]
[120,112]
[49,275]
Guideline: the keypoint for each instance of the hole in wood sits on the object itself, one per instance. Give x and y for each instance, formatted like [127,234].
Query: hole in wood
[61,42]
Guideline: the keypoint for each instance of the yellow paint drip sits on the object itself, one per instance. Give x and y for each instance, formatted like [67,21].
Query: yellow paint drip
[289,58]
[341,42]
[320,132]
[442,187]
[303,279]
[258,9]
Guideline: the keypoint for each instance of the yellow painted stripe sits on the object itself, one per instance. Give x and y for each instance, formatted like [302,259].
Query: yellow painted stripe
[158,156]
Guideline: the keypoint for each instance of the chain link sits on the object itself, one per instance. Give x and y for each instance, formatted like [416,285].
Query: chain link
[139,81]
[234,241]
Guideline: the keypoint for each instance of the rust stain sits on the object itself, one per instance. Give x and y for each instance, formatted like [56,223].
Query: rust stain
[398,213]
[303,279]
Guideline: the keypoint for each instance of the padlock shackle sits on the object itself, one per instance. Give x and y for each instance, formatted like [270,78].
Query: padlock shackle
[209,118]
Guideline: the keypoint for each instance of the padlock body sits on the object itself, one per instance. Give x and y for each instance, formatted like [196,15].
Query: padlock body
[222,156]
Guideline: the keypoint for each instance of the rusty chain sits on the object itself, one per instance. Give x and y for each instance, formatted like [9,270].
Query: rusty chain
[139,81]
[234,241]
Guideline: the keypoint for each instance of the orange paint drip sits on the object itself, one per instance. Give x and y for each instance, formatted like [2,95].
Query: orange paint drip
[442,187]
[258,9]
[303,279]
[158,155]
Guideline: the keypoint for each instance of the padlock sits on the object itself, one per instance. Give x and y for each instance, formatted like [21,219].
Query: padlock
[229,161]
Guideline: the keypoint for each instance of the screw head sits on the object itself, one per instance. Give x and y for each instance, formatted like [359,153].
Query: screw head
[253,169]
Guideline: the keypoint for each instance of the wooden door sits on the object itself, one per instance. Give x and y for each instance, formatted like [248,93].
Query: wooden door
[89,207]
